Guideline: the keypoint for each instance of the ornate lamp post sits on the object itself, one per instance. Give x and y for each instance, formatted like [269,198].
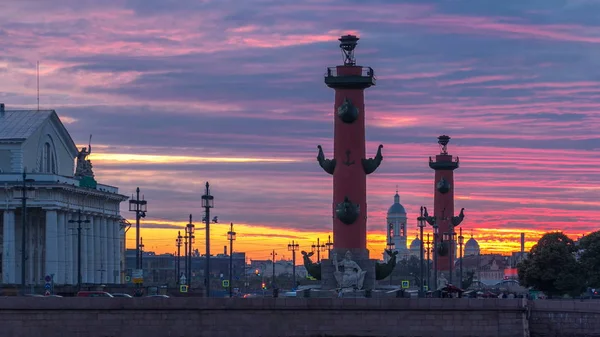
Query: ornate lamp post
[207,204]
[185,257]
[461,241]
[428,263]
[448,238]
[432,221]
[142,254]
[452,253]
[391,245]
[178,243]
[273,283]
[190,229]
[140,207]
[329,245]
[318,248]
[293,247]
[421,222]
[231,238]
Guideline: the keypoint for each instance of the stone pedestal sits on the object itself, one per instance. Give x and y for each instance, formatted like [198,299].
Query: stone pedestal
[360,256]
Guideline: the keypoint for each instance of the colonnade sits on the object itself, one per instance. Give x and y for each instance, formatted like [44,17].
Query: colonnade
[51,246]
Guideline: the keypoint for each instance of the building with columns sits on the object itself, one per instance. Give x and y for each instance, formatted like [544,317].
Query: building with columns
[37,143]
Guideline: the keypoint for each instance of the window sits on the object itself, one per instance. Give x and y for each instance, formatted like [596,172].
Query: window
[47,161]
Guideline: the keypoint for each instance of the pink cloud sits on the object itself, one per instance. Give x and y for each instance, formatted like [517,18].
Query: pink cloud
[477,79]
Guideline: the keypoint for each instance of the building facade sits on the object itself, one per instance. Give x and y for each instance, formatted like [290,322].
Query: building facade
[396,228]
[37,162]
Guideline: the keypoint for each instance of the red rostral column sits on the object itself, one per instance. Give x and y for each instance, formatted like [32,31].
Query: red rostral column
[349,166]
[444,218]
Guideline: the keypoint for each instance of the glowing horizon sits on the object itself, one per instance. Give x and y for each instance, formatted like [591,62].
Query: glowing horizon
[232,93]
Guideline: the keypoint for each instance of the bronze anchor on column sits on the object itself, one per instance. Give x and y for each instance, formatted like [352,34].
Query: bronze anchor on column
[348,162]
[371,164]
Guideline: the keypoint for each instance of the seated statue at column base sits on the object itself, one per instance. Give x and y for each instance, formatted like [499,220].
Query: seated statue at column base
[352,276]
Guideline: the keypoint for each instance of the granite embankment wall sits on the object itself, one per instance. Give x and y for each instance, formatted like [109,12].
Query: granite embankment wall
[564,318]
[283,317]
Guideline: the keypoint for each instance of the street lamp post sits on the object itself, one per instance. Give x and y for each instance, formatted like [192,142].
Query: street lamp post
[79,222]
[178,243]
[461,241]
[447,236]
[293,247]
[329,245]
[231,238]
[207,204]
[273,284]
[185,257]
[428,264]
[318,248]
[190,229]
[24,198]
[421,222]
[142,255]
[140,207]
[432,221]
[391,246]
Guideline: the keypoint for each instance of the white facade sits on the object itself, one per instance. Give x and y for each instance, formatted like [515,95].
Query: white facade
[396,228]
[36,141]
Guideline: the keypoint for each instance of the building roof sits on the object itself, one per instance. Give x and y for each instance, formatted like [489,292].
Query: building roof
[471,244]
[415,244]
[20,125]
[396,208]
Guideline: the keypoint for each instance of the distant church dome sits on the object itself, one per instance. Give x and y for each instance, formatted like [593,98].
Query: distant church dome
[472,247]
[396,208]
[415,244]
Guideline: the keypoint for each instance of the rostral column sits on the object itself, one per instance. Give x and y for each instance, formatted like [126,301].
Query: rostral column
[349,166]
[443,220]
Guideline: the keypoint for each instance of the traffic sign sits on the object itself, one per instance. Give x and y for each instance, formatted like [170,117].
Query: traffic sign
[183,279]
[127,278]
[225,283]
[47,293]
[405,284]
[425,287]
[138,276]
[48,284]
[183,288]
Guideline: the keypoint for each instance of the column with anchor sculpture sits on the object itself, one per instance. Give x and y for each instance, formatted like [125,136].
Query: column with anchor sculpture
[443,217]
[350,165]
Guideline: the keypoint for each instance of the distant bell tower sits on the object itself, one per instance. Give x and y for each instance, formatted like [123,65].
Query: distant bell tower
[397,231]
[444,219]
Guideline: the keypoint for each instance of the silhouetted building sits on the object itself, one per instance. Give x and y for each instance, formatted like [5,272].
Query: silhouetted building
[160,268]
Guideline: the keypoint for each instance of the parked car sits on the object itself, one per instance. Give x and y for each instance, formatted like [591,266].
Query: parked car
[121,295]
[93,294]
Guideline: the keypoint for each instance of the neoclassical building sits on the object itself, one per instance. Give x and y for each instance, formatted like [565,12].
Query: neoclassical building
[36,142]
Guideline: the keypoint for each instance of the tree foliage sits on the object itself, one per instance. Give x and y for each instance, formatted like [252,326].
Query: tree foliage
[552,267]
[589,257]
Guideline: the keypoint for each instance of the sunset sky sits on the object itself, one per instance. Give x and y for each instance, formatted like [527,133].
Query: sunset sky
[178,92]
